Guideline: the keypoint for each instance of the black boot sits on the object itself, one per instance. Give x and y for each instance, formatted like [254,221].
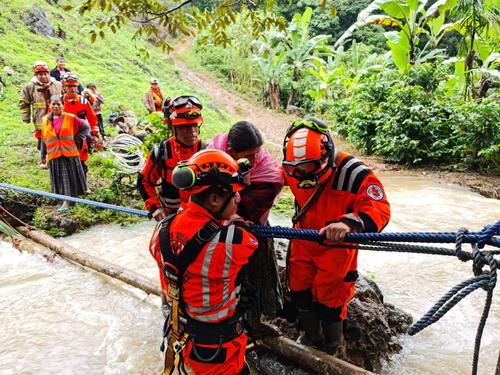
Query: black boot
[310,324]
[333,334]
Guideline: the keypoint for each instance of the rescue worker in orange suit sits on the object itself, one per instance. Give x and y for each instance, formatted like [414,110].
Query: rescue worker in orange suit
[80,106]
[35,97]
[200,257]
[185,118]
[153,98]
[337,194]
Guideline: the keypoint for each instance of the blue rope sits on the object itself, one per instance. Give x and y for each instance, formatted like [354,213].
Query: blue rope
[113,207]
[486,236]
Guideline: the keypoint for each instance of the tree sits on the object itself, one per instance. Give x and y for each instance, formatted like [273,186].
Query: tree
[184,17]
[411,19]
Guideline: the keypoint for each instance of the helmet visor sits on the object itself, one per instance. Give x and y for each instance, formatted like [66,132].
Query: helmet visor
[302,168]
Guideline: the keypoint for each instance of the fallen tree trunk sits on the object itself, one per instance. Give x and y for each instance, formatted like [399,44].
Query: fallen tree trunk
[90,261]
[314,360]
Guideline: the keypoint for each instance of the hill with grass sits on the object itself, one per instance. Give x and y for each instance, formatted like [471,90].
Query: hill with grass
[116,64]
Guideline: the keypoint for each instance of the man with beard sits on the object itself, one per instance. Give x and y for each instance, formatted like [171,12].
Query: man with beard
[35,97]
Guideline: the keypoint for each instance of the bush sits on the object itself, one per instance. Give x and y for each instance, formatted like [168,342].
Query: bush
[408,120]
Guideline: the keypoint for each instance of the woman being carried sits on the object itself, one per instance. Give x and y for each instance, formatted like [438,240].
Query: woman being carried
[62,136]
[245,141]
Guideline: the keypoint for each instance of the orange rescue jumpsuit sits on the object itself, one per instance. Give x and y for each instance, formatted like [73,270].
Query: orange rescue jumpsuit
[170,154]
[355,196]
[209,290]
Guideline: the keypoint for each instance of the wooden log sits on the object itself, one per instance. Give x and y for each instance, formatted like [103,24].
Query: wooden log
[316,360]
[117,272]
[313,359]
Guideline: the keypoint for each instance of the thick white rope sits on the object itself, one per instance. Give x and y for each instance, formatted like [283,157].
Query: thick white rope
[127,152]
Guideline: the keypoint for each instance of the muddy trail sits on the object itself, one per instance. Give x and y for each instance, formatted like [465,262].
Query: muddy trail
[273,125]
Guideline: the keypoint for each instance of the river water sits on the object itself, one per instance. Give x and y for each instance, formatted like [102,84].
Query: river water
[61,318]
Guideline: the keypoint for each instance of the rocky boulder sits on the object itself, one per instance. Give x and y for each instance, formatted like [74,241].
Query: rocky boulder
[37,21]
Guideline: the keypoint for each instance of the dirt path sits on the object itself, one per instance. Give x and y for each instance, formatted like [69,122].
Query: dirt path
[273,125]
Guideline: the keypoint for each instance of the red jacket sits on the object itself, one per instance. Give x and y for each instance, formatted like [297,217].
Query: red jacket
[209,290]
[169,154]
[82,109]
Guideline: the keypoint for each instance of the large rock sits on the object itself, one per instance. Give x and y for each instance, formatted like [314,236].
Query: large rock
[37,21]
[373,327]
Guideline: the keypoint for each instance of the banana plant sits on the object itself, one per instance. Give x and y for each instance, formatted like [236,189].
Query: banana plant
[301,50]
[410,19]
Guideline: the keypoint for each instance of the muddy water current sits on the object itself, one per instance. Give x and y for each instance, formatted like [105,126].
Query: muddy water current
[58,318]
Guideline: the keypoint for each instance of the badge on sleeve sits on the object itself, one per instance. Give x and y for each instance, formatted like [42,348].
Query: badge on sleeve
[375,192]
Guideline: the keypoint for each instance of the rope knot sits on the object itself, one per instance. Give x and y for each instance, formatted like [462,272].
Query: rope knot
[481,259]
[458,244]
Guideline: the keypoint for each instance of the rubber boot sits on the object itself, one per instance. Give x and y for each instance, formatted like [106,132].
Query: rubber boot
[333,334]
[310,324]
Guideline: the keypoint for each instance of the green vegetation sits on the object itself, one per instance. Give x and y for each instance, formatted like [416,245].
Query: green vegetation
[412,104]
[117,68]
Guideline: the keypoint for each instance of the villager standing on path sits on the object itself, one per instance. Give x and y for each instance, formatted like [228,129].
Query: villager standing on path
[35,98]
[62,135]
[97,100]
[80,106]
[337,194]
[200,260]
[185,119]
[244,140]
[153,98]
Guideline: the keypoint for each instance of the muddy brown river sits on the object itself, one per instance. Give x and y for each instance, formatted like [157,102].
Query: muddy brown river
[58,318]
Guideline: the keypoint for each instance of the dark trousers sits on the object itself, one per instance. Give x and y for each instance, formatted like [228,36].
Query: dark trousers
[100,124]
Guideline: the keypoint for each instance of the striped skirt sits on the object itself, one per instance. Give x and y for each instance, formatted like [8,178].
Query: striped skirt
[67,177]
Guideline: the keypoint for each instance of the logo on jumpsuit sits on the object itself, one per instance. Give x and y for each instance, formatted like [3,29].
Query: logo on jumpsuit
[375,192]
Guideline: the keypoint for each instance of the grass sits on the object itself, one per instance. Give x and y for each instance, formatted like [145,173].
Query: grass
[120,74]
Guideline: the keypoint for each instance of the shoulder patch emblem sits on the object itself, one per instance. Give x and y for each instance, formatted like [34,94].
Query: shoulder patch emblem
[252,241]
[375,192]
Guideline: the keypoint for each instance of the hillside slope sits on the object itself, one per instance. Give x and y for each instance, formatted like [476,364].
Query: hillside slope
[114,64]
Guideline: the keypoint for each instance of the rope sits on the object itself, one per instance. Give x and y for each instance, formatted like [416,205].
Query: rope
[485,279]
[127,153]
[132,211]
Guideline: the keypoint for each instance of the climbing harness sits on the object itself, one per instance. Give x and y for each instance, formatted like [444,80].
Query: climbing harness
[484,266]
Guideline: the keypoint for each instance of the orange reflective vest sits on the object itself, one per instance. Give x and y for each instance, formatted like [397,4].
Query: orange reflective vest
[62,144]
[209,290]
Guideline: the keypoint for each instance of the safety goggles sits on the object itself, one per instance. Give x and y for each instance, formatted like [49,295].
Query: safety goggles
[307,124]
[302,168]
[182,101]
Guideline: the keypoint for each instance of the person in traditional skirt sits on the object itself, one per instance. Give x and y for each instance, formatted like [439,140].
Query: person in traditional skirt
[62,137]
[245,141]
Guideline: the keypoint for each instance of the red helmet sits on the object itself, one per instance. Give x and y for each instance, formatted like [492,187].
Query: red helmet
[70,79]
[209,168]
[40,67]
[185,110]
[307,149]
